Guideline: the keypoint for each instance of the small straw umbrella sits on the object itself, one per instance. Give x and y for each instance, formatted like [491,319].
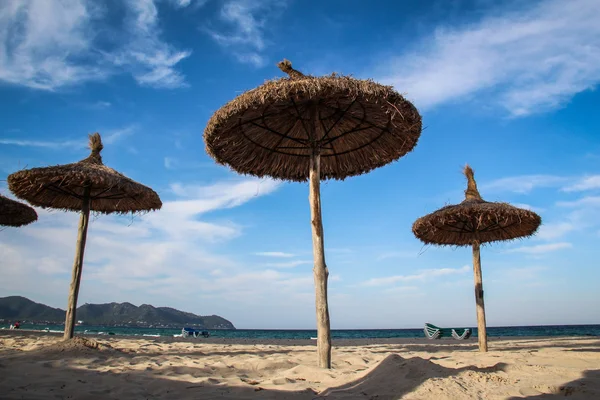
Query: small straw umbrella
[303,128]
[13,213]
[82,186]
[472,223]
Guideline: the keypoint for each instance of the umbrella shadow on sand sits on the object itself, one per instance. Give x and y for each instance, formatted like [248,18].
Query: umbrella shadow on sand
[587,387]
[395,376]
[392,378]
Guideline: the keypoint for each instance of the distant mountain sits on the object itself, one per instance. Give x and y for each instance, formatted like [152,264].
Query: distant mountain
[21,308]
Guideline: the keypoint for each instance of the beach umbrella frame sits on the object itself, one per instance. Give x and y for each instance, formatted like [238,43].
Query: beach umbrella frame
[303,128]
[474,222]
[83,186]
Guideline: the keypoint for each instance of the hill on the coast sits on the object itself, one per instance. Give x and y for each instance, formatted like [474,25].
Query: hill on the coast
[21,308]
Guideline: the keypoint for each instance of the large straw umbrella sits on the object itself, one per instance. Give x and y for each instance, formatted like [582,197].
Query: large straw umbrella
[472,223]
[13,213]
[82,186]
[303,128]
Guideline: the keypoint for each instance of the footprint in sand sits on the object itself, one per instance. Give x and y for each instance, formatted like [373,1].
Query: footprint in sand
[529,392]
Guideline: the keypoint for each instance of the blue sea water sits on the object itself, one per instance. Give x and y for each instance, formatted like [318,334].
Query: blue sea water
[512,331]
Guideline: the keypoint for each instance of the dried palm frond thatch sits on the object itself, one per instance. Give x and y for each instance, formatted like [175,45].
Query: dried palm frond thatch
[13,213]
[356,125]
[62,186]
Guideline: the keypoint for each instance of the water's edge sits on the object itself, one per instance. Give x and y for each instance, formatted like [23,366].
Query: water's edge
[337,334]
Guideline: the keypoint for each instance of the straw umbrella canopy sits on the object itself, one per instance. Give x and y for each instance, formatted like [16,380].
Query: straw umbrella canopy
[13,213]
[301,128]
[472,223]
[82,186]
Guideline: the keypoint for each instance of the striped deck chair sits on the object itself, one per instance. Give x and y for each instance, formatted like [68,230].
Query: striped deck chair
[435,332]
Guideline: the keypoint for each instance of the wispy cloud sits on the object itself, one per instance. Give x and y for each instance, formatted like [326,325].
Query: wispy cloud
[173,163]
[187,3]
[289,264]
[111,137]
[541,248]
[40,40]
[99,105]
[169,162]
[76,144]
[553,231]
[54,43]
[583,184]
[423,275]
[274,254]
[115,135]
[151,60]
[588,201]
[531,59]
[168,252]
[523,183]
[247,24]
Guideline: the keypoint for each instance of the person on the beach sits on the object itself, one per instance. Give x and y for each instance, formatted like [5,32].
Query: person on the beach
[17,325]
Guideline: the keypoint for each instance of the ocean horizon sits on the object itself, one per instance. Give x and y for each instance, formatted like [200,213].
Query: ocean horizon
[300,334]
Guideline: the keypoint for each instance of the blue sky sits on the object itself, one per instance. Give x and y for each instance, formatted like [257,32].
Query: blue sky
[508,87]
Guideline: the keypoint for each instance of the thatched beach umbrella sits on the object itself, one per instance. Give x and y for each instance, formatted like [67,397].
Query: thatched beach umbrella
[472,223]
[13,213]
[82,186]
[303,128]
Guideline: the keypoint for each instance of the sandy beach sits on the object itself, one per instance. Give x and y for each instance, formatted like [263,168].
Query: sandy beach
[41,366]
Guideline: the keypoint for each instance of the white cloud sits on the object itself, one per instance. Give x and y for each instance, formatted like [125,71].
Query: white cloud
[168,254]
[114,135]
[583,184]
[151,60]
[180,218]
[274,254]
[42,143]
[169,162]
[289,264]
[553,231]
[54,43]
[423,275]
[588,201]
[523,184]
[527,60]
[541,248]
[110,137]
[181,3]
[186,3]
[248,22]
[41,40]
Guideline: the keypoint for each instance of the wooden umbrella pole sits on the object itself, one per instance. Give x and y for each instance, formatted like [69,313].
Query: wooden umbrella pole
[481,329]
[320,271]
[77,264]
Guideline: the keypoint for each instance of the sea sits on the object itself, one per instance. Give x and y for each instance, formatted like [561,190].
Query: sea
[300,334]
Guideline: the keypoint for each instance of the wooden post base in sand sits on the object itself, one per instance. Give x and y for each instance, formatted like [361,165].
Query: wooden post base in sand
[481,329]
[77,264]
